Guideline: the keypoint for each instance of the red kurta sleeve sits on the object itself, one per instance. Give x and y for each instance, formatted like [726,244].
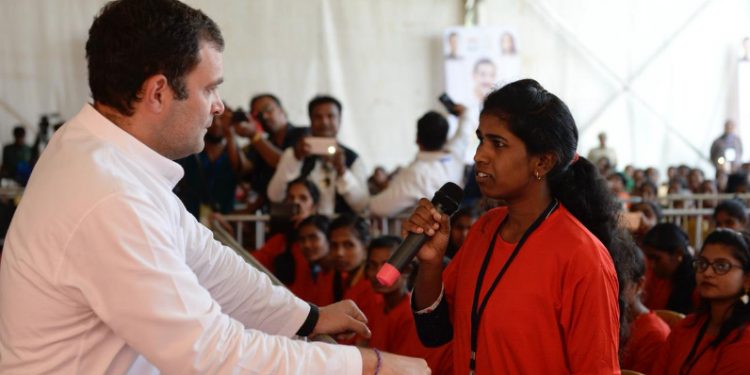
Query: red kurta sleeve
[648,335]
[589,314]
[270,250]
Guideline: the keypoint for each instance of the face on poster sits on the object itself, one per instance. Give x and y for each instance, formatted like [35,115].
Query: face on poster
[477,61]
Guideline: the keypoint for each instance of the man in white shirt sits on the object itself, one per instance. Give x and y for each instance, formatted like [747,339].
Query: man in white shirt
[341,178]
[603,152]
[438,161]
[104,271]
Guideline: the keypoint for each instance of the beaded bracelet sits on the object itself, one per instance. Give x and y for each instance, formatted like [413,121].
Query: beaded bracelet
[380,361]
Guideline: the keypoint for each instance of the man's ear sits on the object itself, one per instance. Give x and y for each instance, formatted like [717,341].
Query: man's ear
[155,93]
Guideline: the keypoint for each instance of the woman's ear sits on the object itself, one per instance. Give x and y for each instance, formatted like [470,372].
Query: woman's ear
[544,163]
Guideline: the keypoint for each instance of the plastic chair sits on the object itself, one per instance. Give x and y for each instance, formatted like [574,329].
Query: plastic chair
[670,317]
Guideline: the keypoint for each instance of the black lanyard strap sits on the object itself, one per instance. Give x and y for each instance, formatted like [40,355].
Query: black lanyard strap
[692,358]
[476,313]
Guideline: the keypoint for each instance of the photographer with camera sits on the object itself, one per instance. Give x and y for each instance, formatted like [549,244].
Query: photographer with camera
[338,172]
[276,133]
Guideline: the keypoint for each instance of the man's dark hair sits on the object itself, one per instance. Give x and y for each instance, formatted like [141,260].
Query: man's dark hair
[432,131]
[19,132]
[322,99]
[273,97]
[132,40]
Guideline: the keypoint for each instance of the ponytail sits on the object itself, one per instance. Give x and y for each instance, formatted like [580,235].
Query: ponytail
[584,192]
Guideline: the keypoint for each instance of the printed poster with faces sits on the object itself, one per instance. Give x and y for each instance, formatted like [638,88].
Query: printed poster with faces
[477,61]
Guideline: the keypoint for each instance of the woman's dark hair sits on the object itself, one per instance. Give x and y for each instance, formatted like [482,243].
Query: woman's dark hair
[652,205]
[734,208]
[130,41]
[284,263]
[648,184]
[309,185]
[636,270]
[321,222]
[739,242]
[671,239]
[388,241]
[544,124]
[357,224]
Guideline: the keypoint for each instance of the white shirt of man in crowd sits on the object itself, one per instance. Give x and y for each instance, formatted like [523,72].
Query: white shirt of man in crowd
[330,173]
[597,153]
[426,173]
[726,151]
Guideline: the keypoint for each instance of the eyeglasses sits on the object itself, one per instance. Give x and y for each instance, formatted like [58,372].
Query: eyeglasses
[720,267]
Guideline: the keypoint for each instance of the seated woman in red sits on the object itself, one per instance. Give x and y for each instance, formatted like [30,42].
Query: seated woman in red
[313,267]
[670,279]
[716,340]
[533,289]
[349,236]
[392,324]
[732,214]
[277,254]
[648,333]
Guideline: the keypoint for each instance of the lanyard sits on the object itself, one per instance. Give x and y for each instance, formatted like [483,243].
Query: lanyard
[476,313]
[692,358]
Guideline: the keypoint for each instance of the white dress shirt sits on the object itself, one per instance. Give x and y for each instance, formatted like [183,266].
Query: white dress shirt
[425,175]
[352,185]
[105,272]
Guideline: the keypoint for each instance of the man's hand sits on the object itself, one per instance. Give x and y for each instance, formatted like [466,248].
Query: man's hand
[459,109]
[247,129]
[341,317]
[301,149]
[338,160]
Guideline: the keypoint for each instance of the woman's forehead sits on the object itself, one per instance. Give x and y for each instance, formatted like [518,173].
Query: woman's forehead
[717,250]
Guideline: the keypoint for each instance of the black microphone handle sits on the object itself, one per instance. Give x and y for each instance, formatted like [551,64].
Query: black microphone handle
[408,249]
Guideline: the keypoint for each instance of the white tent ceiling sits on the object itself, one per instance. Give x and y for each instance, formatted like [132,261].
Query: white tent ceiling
[658,76]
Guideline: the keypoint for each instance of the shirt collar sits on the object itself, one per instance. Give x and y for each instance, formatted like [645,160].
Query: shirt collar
[431,155]
[101,127]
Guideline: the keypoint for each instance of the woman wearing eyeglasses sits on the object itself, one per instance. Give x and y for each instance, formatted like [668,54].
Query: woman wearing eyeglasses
[716,339]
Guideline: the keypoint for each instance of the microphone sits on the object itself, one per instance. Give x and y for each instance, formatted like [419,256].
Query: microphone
[446,200]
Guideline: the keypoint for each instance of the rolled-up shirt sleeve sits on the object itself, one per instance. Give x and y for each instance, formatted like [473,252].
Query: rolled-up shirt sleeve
[185,302]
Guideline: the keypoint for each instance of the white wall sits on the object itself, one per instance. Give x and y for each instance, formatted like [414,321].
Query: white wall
[383,59]
[658,76]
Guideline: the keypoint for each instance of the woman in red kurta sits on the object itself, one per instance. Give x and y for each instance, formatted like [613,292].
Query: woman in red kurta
[392,323]
[670,279]
[716,340]
[277,254]
[533,289]
[349,236]
[314,268]
[648,333]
